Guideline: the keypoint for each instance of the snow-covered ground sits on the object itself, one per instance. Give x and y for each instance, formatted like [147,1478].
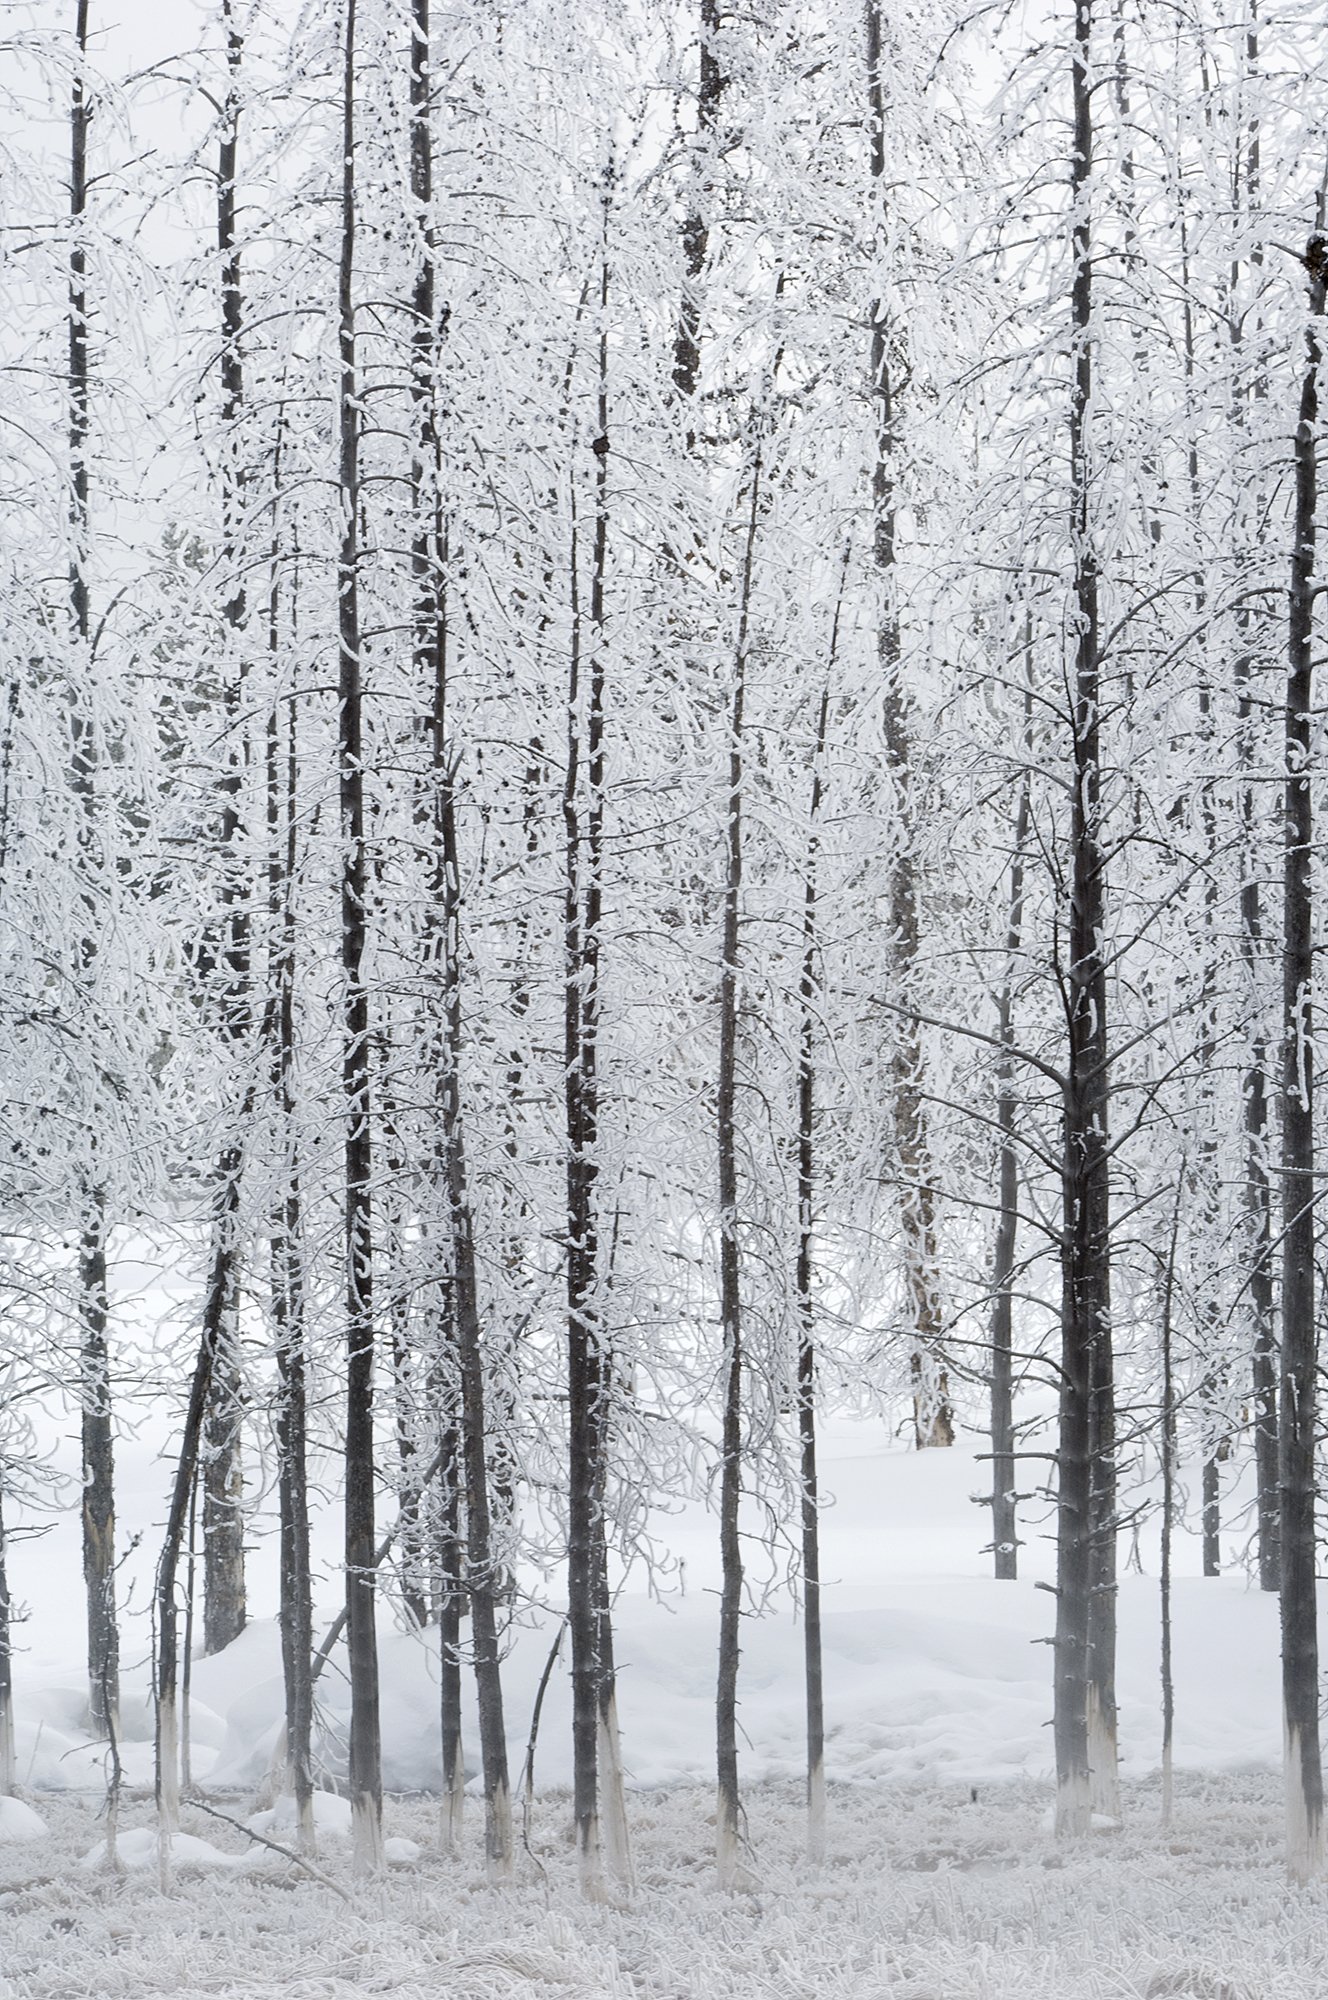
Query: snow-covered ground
[941,1882]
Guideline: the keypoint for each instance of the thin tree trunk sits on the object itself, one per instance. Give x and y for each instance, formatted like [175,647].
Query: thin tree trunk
[98,1472]
[808,995]
[286,1261]
[484,1583]
[442,944]
[1257,1189]
[187,1663]
[1085,1708]
[1004,1507]
[696,226]
[223,1477]
[1206,1175]
[1168,1456]
[365,1765]
[7,1770]
[452,1600]
[728,1816]
[186,1471]
[413,1582]
[589,1356]
[1300,1648]
[933,1418]
[94,1371]
[223,1490]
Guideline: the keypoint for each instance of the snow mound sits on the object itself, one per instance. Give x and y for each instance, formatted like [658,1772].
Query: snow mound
[140,1849]
[331,1818]
[20,1822]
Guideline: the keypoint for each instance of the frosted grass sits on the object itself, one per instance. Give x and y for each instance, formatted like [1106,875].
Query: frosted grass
[926,1894]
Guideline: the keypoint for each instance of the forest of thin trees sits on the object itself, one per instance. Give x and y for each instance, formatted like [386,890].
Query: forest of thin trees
[658,750]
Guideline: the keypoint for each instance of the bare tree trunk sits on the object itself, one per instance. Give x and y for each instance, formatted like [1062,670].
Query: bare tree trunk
[933,1418]
[186,1470]
[7,1771]
[286,1255]
[442,946]
[1257,1192]
[728,1816]
[452,1599]
[1206,1173]
[1168,1457]
[1085,1707]
[808,995]
[696,226]
[411,1572]
[589,1355]
[483,1580]
[94,1371]
[442,942]
[223,1476]
[1300,1647]
[1004,1506]
[223,1493]
[365,1770]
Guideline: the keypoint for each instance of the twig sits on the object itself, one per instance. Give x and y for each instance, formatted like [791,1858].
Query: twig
[528,1773]
[276,1846]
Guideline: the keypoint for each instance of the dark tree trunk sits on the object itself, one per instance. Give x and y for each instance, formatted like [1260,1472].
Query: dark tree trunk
[452,1595]
[94,1369]
[1257,1190]
[483,1580]
[1004,1506]
[186,1471]
[442,943]
[365,1767]
[589,1358]
[1300,1648]
[696,226]
[1085,1706]
[1168,1457]
[286,1253]
[728,1817]
[1205,1176]
[98,1473]
[933,1418]
[223,1477]
[411,1557]
[442,950]
[223,1492]
[7,1771]
[1212,1513]
[808,996]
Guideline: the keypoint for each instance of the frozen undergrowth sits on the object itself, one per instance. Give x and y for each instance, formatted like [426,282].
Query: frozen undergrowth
[926,1895]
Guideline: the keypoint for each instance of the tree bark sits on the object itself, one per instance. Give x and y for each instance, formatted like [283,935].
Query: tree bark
[1004,1506]
[186,1470]
[696,226]
[808,995]
[442,952]
[1085,1707]
[7,1771]
[286,1259]
[589,1356]
[365,1768]
[1257,1189]
[728,1816]
[94,1370]
[223,1475]
[1300,1649]
[933,1418]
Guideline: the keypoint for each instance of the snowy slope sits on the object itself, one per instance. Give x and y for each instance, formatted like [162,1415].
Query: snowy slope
[933,1670]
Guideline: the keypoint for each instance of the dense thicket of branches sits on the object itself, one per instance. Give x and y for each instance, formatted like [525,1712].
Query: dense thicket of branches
[656,712]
